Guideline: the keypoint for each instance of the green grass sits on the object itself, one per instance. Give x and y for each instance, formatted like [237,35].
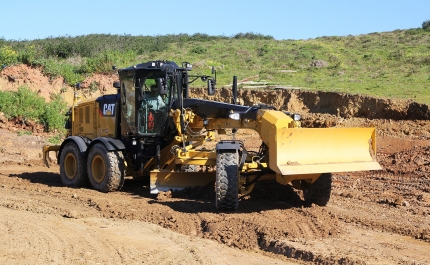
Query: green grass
[56,139]
[21,133]
[387,64]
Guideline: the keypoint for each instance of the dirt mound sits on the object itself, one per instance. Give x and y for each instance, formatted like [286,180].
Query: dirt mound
[15,76]
[338,104]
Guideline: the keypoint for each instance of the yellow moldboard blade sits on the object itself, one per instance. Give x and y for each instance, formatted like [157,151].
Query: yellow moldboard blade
[319,150]
[315,150]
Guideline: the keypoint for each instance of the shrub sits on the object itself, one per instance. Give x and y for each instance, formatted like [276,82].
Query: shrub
[22,103]
[198,50]
[29,54]
[100,64]
[61,47]
[252,36]
[103,62]
[7,55]
[54,68]
[56,139]
[426,25]
[53,116]
[29,105]
[263,50]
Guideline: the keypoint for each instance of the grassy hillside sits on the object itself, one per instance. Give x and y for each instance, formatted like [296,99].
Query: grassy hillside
[388,64]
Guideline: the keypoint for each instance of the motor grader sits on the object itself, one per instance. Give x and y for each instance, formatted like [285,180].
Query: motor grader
[126,134]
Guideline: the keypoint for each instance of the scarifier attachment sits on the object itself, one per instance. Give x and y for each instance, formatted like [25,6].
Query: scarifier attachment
[295,151]
[46,149]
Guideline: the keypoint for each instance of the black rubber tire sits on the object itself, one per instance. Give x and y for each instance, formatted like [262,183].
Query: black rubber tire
[189,168]
[319,192]
[227,180]
[106,169]
[73,170]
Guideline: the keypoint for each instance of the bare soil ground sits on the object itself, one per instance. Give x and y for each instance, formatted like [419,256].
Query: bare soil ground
[378,217]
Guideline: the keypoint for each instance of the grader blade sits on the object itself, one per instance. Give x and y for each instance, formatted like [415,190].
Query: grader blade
[165,180]
[320,150]
[45,150]
[295,151]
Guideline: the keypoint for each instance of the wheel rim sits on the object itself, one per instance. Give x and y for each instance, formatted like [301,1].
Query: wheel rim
[98,168]
[70,166]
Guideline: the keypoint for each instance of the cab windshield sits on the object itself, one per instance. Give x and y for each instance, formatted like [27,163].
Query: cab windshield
[153,107]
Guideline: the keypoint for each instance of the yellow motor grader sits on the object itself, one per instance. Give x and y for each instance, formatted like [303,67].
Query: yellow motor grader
[152,128]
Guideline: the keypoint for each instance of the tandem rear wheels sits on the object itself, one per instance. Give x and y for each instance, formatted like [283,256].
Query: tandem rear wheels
[103,169]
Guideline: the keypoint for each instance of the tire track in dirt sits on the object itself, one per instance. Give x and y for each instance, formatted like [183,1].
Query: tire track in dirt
[49,238]
[50,245]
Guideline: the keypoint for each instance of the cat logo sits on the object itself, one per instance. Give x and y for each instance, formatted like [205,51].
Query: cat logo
[108,109]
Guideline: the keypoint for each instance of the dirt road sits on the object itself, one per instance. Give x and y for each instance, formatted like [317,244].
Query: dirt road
[44,223]
[373,217]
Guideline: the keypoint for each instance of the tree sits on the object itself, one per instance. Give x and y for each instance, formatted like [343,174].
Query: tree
[426,25]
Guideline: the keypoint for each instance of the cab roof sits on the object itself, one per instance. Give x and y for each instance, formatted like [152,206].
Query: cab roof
[152,65]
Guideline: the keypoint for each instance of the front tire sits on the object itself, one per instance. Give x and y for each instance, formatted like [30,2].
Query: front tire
[106,169]
[319,192]
[227,180]
[72,166]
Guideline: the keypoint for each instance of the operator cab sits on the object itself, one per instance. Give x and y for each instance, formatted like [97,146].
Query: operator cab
[147,93]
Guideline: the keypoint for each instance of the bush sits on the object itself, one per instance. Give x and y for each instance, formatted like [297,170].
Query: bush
[62,47]
[22,103]
[198,50]
[426,25]
[100,64]
[29,105]
[53,116]
[28,55]
[103,62]
[55,68]
[252,36]
[7,55]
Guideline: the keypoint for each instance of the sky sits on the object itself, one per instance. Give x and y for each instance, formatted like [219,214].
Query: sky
[282,19]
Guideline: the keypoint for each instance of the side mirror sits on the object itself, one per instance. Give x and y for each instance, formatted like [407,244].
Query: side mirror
[162,87]
[117,85]
[211,87]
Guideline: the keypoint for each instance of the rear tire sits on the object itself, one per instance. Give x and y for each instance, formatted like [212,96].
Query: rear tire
[72,166]
[227,180]
[319,192]
[106,169]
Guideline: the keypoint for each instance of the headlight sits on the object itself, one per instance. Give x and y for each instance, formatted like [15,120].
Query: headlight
[234,116]
[297,117]
[187,66]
